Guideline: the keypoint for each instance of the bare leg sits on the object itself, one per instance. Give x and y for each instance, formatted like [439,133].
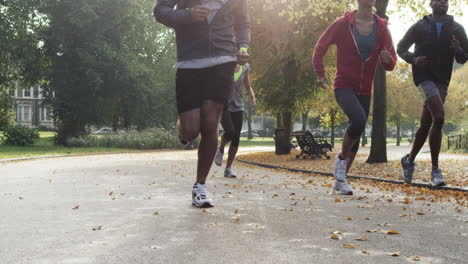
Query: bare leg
[426,123]
[189,125]
[210,116]
[436,106]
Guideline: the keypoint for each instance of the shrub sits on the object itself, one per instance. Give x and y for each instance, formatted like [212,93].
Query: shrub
[18,135]
[155,138]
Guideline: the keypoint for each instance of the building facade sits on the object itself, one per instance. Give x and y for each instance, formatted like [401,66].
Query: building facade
[29,108]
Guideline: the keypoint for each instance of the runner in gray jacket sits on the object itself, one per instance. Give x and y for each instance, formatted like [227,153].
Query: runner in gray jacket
[212,36]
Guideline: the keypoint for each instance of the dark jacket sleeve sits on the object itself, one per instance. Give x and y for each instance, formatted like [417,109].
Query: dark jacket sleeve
[165,14]
[405,44]
[462,56]
[242,25]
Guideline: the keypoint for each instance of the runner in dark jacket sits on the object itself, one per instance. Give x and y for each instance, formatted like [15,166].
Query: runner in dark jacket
[438,40]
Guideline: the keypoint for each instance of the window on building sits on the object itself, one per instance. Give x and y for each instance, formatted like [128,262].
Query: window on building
[12,92]
[42,114]
[49,114]
[19,113]
[27,92]
[26,112]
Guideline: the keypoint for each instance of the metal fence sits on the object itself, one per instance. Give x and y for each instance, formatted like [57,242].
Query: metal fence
[457,141]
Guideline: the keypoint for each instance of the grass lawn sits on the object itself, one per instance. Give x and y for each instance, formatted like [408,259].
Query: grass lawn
[258,141]
[269,141]
[45,146]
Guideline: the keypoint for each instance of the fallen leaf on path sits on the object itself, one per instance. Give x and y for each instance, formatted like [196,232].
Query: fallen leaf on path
[417,258]
[156,213]
[235,220]
[338,200]
[371,230]
[365,252]
[394,254]
[97,228]
[366,218]
[76,207]
[349,218]
[363,238]
[392,232]
[403,215]
[348,246]
[420,213]
[334,236]
[274,195]
[111,193]
[204,210]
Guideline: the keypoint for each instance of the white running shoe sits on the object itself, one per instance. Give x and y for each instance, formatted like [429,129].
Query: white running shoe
[219,157]
[229,173]
[339,172]
[199,197]
[343,188]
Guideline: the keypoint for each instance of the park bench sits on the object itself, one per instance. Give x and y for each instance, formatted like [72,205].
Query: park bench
[312,147]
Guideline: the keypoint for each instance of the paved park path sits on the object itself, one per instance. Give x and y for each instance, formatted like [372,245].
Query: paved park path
[139,206]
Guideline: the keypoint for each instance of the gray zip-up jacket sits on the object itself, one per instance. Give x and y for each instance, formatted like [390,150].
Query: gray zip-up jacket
[228,31]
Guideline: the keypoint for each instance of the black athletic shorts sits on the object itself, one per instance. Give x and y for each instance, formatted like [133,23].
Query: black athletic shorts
[193,86]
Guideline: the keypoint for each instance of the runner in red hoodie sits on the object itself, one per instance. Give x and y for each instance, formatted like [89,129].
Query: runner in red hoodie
[362,40]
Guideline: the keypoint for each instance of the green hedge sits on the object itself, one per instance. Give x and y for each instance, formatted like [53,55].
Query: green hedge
[18,135]
[155,138]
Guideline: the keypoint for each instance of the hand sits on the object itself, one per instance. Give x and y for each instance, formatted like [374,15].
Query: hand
[242,57]
[254,101]
[200,13]
[420,61]
[322,82]
[455,44]
[385,56]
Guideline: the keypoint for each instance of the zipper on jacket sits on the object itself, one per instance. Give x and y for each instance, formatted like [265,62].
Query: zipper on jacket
[362,63]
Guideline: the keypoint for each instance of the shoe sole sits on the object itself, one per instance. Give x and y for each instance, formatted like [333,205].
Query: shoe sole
[439,185]
[204,205]
[343,193]
[232,177]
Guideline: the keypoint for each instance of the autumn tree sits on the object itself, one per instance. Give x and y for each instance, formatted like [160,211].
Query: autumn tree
[284,34]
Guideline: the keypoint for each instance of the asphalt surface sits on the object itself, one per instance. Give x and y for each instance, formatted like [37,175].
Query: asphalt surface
[139,206]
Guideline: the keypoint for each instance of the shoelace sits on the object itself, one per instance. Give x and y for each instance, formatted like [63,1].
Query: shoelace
[341,169]
[201,192]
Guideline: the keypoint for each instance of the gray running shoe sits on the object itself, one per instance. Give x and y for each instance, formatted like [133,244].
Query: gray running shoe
[199,197]
[436,178]
[229,173]
[219,157]
[343,188]
[339,172]
[408,169]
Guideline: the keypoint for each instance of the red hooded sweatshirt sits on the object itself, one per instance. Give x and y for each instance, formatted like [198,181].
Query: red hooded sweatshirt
[351,71]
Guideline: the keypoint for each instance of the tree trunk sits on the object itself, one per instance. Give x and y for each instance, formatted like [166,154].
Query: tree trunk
[398,130]
[378,151]
[283,133]
[332,125]
[304,121]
